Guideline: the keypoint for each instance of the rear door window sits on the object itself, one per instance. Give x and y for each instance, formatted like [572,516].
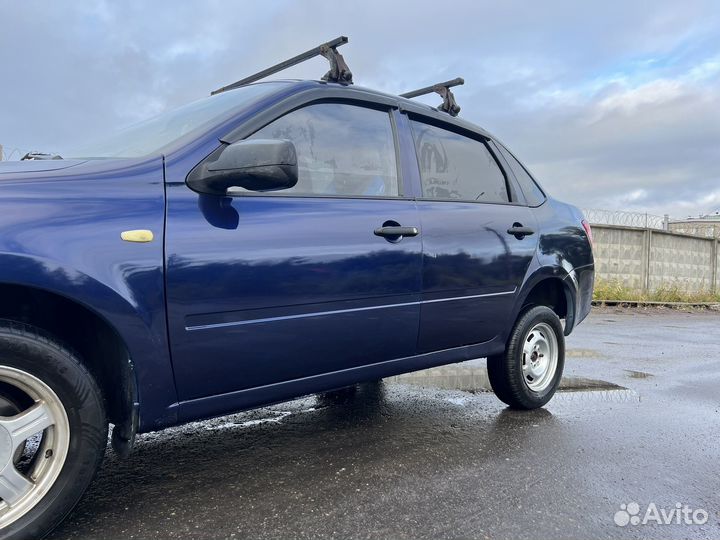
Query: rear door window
[456,167]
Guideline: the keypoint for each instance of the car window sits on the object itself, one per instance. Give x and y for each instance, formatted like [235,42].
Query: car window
[156,133]
[342,150]
[533,194]
[453,166]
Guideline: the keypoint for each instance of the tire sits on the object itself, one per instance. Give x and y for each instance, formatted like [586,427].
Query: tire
[517,376]
[37,373]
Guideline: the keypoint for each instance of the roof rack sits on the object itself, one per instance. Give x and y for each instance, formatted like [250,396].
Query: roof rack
[35,155]
[339,70]
[449,105]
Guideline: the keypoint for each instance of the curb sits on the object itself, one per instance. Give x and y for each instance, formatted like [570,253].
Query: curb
[640,303]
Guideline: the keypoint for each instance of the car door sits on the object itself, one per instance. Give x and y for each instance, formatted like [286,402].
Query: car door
[265,288]
[473,264]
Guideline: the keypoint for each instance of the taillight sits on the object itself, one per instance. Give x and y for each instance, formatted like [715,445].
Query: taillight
[588,231]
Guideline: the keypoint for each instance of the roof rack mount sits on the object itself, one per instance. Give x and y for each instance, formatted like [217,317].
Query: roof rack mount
[339,70]
[449,105]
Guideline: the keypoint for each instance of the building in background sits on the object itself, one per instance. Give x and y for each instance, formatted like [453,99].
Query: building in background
[707,226]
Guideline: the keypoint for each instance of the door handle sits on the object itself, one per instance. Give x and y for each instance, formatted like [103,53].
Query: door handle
[396,231]
[520,232]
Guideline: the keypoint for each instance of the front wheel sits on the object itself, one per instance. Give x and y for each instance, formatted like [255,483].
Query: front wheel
[53,431]
[527,374]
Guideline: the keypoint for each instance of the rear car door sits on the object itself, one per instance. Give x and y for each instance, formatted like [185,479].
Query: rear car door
[264,288]
[473,264]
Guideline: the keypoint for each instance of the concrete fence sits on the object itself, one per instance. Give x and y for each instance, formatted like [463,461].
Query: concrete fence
[647,259]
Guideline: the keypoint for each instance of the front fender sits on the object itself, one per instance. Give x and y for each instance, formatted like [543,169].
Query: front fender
[61,234]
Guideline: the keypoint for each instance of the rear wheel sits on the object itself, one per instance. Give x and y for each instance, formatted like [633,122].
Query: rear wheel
[53,431]
[528,373]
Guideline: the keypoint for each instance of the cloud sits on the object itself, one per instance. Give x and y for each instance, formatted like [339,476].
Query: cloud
[601,104]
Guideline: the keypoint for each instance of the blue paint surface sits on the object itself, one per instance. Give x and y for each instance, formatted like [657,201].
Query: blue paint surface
[253,299]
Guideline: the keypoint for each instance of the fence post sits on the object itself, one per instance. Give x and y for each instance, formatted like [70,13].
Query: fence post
[714,266]
[647,241]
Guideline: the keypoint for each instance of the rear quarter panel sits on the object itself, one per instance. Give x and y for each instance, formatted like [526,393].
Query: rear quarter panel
[564,251]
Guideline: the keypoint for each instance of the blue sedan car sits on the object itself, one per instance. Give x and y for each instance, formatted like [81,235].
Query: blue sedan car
[271,241]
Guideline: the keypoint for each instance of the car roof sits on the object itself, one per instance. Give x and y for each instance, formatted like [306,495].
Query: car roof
[372,95]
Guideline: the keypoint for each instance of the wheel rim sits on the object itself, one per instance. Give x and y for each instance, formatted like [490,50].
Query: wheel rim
[43,424]
[540,357]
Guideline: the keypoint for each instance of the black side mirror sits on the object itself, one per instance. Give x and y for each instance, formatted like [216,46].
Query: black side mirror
[254,164]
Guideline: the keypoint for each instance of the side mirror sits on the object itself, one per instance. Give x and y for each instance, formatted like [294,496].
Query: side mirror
[254,164]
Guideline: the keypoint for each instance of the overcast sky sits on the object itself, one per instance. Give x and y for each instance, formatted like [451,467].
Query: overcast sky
[612,105]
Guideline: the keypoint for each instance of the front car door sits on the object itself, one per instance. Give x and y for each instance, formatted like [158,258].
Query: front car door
[472,266]
[265,288]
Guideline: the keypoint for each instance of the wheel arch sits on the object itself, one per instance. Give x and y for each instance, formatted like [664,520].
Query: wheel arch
[550,287]
[100,347]
[127,298]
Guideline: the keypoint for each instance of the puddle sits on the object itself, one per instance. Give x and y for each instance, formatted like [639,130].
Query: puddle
[581,384]
[465,378]
[637,374]
[474,379]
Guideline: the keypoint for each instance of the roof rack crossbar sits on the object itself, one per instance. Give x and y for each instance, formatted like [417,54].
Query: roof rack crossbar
[339,71]
[449,105]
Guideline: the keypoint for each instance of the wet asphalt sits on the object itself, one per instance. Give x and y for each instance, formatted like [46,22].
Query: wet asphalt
[434,455]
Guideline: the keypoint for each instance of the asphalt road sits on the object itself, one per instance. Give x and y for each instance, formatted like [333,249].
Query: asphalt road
[638,422]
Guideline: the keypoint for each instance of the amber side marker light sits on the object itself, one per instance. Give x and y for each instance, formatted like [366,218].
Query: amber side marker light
[137,235]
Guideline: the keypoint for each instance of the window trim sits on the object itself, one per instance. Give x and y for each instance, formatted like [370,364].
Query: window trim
[326,93]
[512,177]
[513,200]
[387,109]
[502,147]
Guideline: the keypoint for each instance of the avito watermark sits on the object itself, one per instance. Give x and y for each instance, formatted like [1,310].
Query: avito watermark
[680,514]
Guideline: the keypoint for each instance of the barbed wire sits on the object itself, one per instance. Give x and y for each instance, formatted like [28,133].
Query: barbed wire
[626,219]
[10,153]
[651,221]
